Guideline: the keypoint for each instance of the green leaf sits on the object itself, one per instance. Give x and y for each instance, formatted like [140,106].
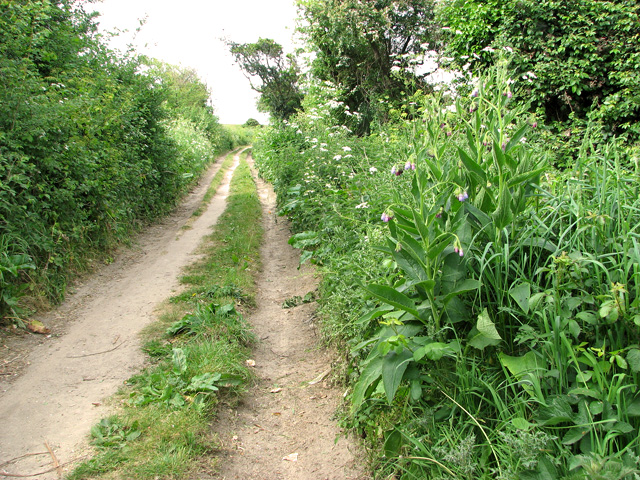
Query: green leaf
[521,424]
[472,166]
[519,366]
[304,239]
[558,410]
[369,376]
[503,216]
[517,137]
[574,435]
[434,351]
[393,297]
[393,368]
[521,293]
[467,285]
[179,361]
[633,359]
[392,444]
[485,332]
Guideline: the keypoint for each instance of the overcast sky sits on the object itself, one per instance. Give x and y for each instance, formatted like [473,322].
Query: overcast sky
[188,33]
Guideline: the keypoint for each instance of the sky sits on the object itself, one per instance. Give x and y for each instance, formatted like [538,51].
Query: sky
[189,32]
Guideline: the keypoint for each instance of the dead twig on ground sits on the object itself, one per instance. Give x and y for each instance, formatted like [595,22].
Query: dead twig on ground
[98,353]
[56,463]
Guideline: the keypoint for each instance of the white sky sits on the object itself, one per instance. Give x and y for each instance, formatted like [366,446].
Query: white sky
[188,33]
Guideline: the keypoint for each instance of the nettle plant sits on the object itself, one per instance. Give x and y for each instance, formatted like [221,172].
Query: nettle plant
[474,177]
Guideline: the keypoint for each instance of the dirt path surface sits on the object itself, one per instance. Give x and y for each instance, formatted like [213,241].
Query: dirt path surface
[283,428]
[55,399]
[52,388]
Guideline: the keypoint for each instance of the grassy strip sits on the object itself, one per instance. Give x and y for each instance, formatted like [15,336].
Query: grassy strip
[197,352]
[216,182]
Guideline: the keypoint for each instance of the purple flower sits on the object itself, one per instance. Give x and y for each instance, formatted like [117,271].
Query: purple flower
[399,172]
[407,166]
[385,217]
[393,170]
[462,196]
[535,124]
[475,93]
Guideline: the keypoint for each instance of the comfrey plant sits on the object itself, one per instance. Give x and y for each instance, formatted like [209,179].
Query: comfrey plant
[474,177]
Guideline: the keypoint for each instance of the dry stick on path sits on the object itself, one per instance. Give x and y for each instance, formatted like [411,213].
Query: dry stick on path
[98,353]
[56,463]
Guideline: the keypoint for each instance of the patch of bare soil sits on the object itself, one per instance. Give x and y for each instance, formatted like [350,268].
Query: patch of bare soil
[283,428]
[52,387]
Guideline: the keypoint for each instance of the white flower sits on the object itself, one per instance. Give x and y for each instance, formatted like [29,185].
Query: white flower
[363,205]
[373,170]
[346,149]
[337,157]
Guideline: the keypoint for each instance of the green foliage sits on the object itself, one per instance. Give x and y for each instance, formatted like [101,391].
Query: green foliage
[91,143]
[278,75]
[577,59]
[364,48]
[486,303]
[252,122]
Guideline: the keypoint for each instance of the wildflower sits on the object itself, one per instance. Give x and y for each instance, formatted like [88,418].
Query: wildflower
[337,157]
[385,217]
[462,196]
[534,124]
[409,166]
[475,93]
[373,170]
[393,170]
[363,205]
[346,149]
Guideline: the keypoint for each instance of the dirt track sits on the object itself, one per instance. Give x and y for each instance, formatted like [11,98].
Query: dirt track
[95,346]
[52,388]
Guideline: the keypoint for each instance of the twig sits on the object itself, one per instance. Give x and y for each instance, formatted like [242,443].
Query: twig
[98,353]
[56,463]
[19,475]
[13,460]
[7,362]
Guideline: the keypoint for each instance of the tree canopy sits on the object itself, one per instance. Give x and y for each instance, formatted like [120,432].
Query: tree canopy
[365,48]
[277,76]
[581,56]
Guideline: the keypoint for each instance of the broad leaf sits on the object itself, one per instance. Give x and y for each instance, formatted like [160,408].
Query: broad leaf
[521,294]
[370,375]
[482,339]
[393,297]
[393,368]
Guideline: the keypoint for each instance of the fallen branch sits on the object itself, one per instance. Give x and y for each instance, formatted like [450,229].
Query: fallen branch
[56,463]
[13,460]
[98,353]
[19,475]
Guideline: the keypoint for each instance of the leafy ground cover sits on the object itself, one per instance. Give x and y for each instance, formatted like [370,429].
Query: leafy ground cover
[486,302]
[197,353]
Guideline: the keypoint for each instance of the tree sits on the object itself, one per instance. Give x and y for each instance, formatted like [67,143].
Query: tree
[366,47]
[580,57]
[278,76]
[252,122]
